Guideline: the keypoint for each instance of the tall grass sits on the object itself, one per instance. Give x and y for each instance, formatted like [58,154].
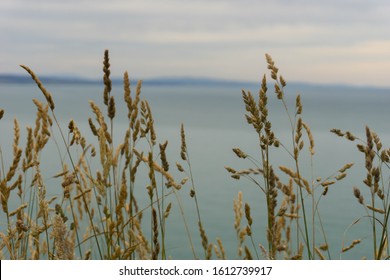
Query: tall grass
[376,200]
[99,213]
[292,200]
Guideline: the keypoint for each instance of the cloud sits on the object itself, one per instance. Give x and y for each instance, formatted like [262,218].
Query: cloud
[217,38]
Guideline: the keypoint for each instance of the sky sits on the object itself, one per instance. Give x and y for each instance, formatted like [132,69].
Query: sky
[327,42]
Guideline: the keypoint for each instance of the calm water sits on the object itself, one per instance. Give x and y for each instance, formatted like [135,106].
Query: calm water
[214,122]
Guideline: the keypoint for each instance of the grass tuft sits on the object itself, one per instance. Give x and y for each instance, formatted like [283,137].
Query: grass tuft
[99,211]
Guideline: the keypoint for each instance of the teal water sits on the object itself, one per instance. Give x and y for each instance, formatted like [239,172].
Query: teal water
[215,123]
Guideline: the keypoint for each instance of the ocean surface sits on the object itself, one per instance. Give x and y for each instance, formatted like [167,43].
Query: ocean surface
[214,121]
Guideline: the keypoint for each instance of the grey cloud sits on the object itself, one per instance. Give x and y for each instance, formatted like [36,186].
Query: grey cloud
[189,35]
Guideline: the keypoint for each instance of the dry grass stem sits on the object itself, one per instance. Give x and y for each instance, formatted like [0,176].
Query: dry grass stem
[96,205]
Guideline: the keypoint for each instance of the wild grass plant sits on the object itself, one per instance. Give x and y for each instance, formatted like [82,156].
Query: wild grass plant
[375,201]
[103,180]
[294,225]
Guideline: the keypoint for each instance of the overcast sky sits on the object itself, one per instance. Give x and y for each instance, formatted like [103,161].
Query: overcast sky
[313,41]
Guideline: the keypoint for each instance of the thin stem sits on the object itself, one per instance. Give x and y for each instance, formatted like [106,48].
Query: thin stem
[85,202]
[185,222]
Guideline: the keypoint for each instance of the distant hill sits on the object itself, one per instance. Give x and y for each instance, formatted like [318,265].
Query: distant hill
[182,81]
[177,81]
[163,81]
[23,79]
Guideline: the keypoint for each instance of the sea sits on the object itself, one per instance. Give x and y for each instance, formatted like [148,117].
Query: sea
[213,116]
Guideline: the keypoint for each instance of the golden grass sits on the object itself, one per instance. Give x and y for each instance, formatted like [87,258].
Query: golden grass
[98,215]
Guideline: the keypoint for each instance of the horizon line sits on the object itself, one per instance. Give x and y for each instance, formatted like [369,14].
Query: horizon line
[12,78]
